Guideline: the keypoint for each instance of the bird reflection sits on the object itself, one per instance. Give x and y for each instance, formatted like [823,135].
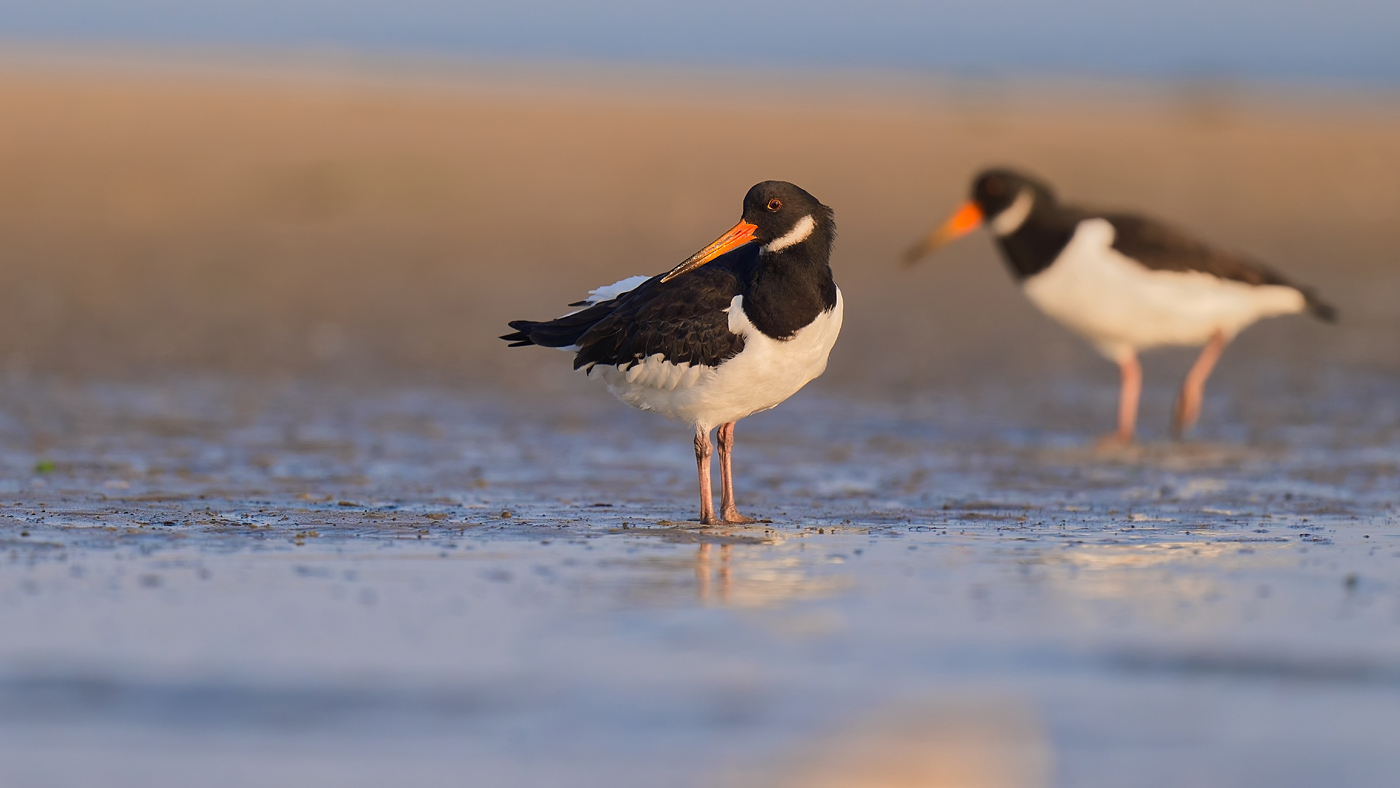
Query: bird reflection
[735,573]
[714,581]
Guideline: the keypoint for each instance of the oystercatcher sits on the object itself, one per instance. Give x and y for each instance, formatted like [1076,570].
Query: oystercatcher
[1124,282]
[735,329]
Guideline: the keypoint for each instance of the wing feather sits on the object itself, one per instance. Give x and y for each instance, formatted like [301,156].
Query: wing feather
[1161,247]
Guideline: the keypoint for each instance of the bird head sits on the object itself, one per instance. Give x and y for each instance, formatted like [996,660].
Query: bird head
[1001,198]
[778,216]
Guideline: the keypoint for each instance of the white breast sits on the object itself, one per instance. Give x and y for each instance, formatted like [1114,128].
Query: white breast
[766,372]
[1122,306]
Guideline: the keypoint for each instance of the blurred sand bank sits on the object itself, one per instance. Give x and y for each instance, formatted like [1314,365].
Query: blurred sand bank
[275,222]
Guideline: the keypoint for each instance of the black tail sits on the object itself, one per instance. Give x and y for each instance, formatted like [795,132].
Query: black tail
[560,332]
[521,337]
[1317,307]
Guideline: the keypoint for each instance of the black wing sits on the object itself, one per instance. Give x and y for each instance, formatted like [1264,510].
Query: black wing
[1161,247]
[684,320]
[561,331]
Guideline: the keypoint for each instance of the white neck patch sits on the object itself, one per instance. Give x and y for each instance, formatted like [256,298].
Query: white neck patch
[1011,219]
[799,233]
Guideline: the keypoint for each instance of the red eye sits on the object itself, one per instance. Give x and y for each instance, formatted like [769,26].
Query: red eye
[775,204]
[994,186]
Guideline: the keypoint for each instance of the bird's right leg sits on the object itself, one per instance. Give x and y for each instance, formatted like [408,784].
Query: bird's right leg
[702,464]
[1130,371]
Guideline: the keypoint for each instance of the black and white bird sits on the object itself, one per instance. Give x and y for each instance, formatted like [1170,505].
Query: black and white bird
[1124,282]
[737,328]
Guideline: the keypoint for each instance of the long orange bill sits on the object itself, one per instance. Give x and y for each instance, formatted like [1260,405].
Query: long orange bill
[740,234]
[967,219]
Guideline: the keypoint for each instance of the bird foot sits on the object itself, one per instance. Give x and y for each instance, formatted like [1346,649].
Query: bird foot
[1113,441]
[732,517]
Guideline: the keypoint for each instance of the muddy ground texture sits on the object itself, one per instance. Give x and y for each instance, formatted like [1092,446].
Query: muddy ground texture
[355,588]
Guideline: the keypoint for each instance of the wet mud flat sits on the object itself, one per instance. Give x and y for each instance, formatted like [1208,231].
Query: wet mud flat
[217,582]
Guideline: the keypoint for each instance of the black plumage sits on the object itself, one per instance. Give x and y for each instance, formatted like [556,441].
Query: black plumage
[794,285]
[685,319]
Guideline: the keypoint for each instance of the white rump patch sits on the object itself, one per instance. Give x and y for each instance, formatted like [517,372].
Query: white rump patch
[616,289]
[609,292]
[799,233]
[606,293]
[1011,219]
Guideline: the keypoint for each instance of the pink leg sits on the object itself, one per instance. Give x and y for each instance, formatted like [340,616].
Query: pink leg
[1193,388]
[727,509]
[1131,373]
[702,571]
[726,577]
[702,463]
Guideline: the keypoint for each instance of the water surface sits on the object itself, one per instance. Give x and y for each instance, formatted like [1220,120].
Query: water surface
[210,582]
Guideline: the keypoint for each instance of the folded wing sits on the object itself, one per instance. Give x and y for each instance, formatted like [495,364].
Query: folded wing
[685,320]
[1161,247]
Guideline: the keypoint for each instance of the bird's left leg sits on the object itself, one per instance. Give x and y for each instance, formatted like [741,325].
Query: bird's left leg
[1188,402]
[728,511]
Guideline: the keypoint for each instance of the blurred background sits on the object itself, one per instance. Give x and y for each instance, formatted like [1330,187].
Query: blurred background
[305,188]
[274,492]
[1289,40]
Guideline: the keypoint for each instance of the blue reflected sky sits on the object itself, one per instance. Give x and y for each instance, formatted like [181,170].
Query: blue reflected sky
[1353,41]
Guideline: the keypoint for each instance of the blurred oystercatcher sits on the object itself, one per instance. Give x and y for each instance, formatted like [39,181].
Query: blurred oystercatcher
[1124,282]
[736,329]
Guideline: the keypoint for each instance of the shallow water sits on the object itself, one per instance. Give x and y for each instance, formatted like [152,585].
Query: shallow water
[222,582]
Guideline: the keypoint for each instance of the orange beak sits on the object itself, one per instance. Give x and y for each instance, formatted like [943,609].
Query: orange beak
[740,234]
[967,219]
